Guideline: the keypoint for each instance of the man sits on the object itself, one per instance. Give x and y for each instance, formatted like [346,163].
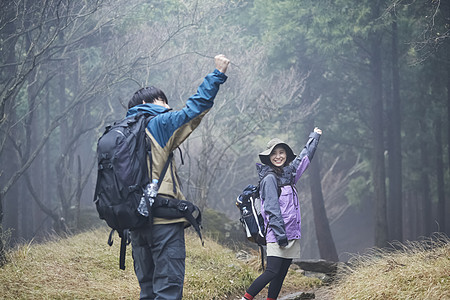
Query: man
[159,250]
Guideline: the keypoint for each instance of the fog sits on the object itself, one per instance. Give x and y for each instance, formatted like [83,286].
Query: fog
[373,75]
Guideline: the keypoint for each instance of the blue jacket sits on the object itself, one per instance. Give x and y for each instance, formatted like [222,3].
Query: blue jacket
[282,214]
[169,128]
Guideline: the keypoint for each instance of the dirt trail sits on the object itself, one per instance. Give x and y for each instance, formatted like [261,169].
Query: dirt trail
[316,294]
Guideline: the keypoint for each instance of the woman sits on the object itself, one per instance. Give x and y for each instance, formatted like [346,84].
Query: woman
[279,173]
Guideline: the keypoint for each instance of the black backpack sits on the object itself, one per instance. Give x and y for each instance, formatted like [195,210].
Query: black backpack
[122,177]
[249,205]
[122,173]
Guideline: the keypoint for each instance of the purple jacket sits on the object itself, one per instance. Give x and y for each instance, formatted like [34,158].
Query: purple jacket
[282,213]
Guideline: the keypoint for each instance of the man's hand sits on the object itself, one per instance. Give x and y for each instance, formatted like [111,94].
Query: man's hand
[221,62]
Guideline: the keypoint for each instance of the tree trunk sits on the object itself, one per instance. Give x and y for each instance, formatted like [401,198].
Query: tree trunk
[424,188]
[64,138]
[446,12]
[2,246]
[327,248]
[447,230]
[395,157]
[378,164]
[447,211]
[440,176]
[26,211]
[409,218]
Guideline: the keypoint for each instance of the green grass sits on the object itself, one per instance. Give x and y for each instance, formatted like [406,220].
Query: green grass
[83,266]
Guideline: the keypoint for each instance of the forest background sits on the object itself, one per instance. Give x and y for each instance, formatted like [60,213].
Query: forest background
[374,75]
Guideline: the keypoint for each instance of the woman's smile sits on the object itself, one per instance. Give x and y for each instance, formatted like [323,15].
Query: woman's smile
[278,156]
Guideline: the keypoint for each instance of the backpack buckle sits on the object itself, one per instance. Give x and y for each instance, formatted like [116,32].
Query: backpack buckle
[182,206]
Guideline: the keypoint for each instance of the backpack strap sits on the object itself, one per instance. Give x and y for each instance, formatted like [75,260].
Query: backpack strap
[195,222]
[276,176]
[166,165]
[161,177]
[261,248]
[169,160]
[125,236]
[124,241]
[181,155]
[164,170]
[178,209]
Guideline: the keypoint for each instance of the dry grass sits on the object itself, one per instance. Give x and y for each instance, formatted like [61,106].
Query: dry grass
[418,270]
[214,273]
[80,267]
[85,267]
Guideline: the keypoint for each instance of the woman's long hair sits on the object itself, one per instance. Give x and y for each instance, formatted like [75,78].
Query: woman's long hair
[277,170]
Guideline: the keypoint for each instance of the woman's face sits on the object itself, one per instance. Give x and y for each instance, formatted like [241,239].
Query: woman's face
[278,156]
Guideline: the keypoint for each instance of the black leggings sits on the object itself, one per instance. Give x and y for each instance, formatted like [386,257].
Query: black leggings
[275,273]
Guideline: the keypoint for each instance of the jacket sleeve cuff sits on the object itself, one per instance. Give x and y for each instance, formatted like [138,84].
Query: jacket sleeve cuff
[314,135]
[220,75]
[282,240]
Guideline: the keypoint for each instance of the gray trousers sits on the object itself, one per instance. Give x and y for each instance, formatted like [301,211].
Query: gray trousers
[159,261]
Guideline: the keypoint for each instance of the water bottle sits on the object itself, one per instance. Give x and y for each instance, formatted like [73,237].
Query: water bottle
[142,208]
[151,190]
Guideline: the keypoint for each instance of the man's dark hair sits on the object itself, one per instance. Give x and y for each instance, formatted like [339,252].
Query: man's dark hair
[148,95]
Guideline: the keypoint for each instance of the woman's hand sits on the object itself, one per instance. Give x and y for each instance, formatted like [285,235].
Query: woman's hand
[283,242]
[317,130]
